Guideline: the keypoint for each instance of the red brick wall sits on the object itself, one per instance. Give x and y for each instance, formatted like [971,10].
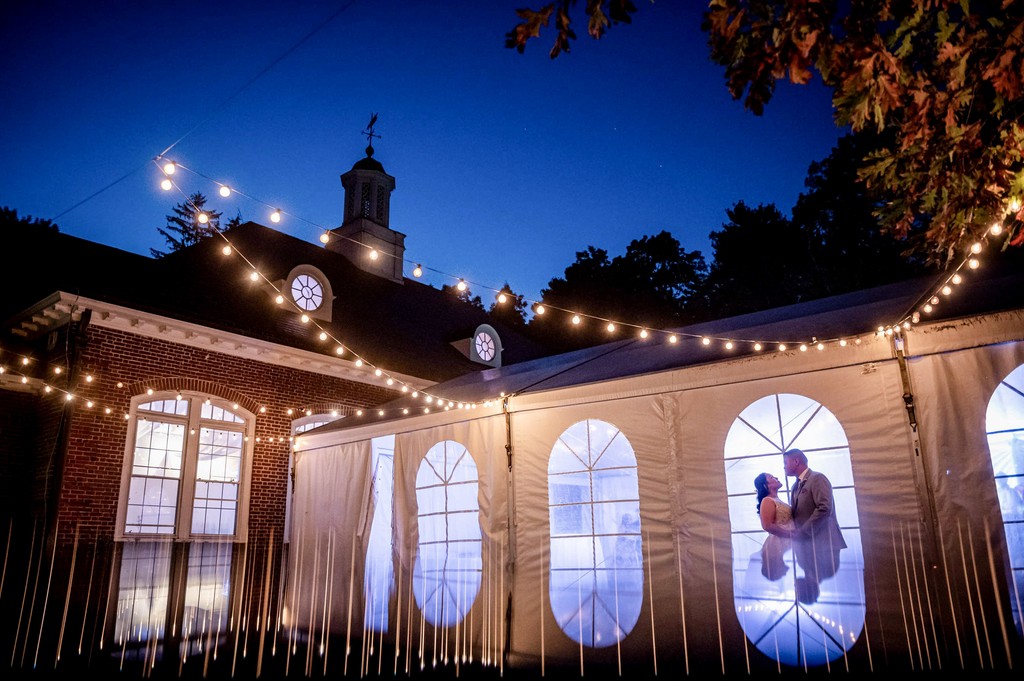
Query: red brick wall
[96,441]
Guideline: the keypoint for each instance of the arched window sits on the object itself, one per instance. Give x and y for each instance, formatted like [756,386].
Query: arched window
[597,575]
[783,610]
[1004,422]
[446,576]
[379,580]
[186,468]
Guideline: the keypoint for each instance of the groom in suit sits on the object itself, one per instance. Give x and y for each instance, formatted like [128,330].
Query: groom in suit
[817,539]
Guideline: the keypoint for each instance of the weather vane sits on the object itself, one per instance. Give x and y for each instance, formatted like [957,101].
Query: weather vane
[370,134]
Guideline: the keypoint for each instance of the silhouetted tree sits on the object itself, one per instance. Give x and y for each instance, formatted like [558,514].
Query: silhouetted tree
[465,296]
[761,260]
[184,228]
[512,312]
[649,285]
[9,219]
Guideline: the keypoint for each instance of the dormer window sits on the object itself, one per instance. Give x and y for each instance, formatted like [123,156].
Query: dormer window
[311,291]
[485,346]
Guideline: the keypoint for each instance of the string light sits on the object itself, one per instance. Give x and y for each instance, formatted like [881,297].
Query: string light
[643,333]
[203,218]
[275,217]
[417,271]
[974,263]
[705,341]
[957,278]
[461,285]
[610,327]
[254,276]
[169,168]
[672,338]
[279,299]
[166,184]
[373,254]
[226,250]
[325,237]
[502,298]
[225,191]
[576,319]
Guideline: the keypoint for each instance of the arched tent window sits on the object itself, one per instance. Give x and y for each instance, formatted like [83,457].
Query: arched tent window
[1004,422]
[379,574]
[446,576]
[597,576]
[783,612]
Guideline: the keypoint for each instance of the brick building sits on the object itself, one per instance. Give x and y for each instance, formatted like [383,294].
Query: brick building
[147,409]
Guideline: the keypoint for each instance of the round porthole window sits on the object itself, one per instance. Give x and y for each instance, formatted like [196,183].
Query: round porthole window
[307,292]
[484,346]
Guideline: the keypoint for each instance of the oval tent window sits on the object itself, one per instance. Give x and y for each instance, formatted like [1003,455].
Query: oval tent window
[1004,424]
[798,601]
[446,576]
[596,572]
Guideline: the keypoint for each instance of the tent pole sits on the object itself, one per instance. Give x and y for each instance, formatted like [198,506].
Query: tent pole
[899,351]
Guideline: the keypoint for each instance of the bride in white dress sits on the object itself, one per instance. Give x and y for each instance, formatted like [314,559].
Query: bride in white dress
[777,521]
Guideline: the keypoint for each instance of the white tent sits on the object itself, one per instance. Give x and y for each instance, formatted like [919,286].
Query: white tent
[599,510]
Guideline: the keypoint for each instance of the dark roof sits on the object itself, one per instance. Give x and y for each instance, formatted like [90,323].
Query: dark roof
[406,328]
[368,164]
[860,313]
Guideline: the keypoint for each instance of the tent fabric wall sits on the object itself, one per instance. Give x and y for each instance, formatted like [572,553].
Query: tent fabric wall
[330,523]
[484,628]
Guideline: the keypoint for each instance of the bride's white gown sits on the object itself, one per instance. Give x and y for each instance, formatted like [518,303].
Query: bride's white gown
[773,563]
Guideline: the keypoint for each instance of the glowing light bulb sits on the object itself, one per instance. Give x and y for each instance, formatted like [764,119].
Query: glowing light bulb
[178,397]
[956,279]
[928,307]
[359,412]
[934,300]
[275,217]
[461,285]
[405,411]
[417,271]
[757,347]
[1014,205]
[426,410]
[263,410]
[540,309]
[728,345]
[305,319]
[203,218]
[906,325]
[24,379]
[323,335]
[290,411]
[169,168]
[405,388]
[974,263]
[309,412]
[576,319]
[374,254]
[89,404]
[502,298]
[166,184]
[916,317]
[415,393]
[803,347]
[705,341]
[377,372]
[325,237]
[380,413]
[976,247]
[279,299]
[106,410]
[24,360]
[334,413]
[391,381]
[821,346]
[996,229]
[57,370]
[226,250]
[643,333]
[359,362]
[782,346]
[47,389]
[610,327]
[888,331]
[225,191]
[946,290]
[254,275]
[672,338]
[69,397]
[149,391]
[429,399]
[842,343]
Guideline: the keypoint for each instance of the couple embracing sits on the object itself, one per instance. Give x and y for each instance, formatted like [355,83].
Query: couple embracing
[808,524]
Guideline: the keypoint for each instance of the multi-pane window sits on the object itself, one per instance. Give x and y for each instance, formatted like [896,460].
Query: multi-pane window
[185,469]
[1004,423]
[447,572]
[597,575]
[783,610]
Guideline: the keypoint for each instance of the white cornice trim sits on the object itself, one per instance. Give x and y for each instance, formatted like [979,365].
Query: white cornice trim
[109,316]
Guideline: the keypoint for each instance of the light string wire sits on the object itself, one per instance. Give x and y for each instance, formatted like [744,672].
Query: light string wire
[925,304]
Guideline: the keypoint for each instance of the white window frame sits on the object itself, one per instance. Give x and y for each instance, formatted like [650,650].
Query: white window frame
[186,489]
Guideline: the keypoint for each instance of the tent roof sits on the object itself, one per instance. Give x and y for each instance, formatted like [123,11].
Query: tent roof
[848,316]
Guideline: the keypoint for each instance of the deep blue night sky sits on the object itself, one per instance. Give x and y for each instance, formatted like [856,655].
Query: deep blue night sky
[506,164]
